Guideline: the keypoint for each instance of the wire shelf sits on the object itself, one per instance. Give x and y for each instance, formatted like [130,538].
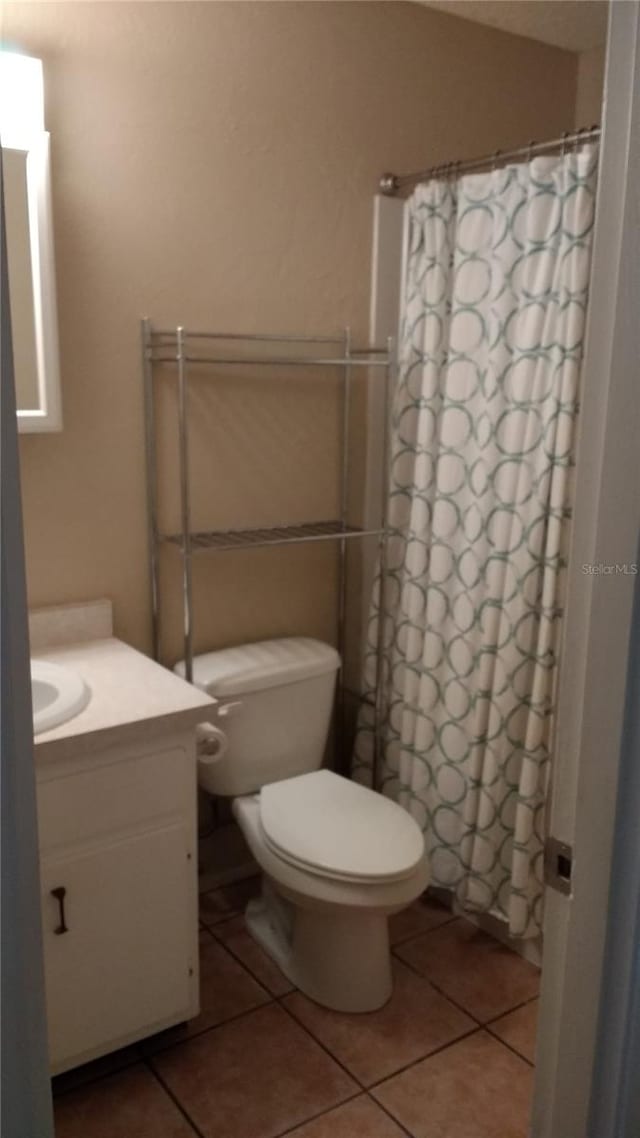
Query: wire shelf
[217,540]
[364,358]
[163,346]
[210,356]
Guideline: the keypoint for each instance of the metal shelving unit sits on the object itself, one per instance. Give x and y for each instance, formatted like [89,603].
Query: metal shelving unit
[274,535]
[186,353]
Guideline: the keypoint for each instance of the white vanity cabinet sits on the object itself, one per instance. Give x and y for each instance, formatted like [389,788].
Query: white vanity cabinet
[118,850]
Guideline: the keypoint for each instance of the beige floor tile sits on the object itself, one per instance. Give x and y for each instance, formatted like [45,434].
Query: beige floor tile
[415,1021]
[480,974]
[424,914]
[253,1078]
[476,1088]
[360,1118]
[519,1029]
[220,904]
[226,990]
[131,1104]
[238,940]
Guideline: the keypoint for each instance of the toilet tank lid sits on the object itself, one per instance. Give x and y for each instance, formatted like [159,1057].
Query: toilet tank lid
[265,664]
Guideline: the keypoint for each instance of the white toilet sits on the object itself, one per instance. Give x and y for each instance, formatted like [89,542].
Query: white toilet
[337,858]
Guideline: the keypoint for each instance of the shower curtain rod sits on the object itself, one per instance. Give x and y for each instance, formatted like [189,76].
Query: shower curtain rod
[390,184]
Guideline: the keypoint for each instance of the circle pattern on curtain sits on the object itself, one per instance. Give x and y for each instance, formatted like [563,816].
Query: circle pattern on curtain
[470,600]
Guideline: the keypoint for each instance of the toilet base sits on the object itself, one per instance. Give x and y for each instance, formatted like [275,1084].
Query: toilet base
[338,957]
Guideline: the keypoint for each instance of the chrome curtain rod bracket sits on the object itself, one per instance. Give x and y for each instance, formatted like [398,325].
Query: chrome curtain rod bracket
[392,184]
[389,185]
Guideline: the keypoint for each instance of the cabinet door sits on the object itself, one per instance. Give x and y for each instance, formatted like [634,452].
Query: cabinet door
[122,962]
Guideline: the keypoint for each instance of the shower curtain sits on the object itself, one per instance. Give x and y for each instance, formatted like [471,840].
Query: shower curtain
[469,601]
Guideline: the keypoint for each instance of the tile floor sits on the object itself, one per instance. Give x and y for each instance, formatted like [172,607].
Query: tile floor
[450,1056]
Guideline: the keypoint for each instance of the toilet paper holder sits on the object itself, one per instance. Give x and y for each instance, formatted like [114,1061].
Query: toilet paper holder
[211,743]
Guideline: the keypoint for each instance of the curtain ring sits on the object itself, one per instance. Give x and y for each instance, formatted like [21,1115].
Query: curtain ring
[496,155]
[530,147]
[579,138]
[563,149]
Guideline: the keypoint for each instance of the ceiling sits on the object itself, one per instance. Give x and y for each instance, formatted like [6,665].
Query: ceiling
[576,25]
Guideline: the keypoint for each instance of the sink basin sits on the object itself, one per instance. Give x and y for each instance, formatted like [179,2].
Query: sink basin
[58,693]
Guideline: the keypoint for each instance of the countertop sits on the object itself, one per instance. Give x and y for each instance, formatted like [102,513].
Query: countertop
[131,696]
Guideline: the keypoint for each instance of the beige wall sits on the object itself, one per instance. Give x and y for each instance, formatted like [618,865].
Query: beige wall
[214,163]
[589,87]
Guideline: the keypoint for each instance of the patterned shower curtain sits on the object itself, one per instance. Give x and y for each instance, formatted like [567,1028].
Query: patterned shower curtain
[482,439]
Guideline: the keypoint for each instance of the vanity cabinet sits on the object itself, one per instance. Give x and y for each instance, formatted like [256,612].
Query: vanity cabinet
[118,850]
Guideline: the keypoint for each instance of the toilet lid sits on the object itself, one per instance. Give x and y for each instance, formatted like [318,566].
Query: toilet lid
[329,825]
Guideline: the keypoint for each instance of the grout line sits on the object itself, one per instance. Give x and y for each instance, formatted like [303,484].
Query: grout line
[223,921]
[323,1047]
[161,1049]
[423,1058]
[320,1114]
[405,1067]
[245,967]
[503,942]
[236,959]
[224,917]
[459,1006]
[176,1101]
[146,1058]
[515,1008]
[422,932]
[254,975]
[441,992]
[509,1046]
[388,1113]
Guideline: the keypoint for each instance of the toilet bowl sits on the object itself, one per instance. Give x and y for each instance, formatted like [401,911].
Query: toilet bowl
[337,859]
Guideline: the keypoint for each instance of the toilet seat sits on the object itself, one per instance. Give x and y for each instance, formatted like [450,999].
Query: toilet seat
[327,825]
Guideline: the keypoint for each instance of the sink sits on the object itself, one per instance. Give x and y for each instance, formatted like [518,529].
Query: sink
[58,693]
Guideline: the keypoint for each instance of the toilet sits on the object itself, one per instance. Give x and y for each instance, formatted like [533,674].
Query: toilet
[337,859]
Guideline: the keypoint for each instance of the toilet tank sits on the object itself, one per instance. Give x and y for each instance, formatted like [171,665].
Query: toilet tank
[274,701]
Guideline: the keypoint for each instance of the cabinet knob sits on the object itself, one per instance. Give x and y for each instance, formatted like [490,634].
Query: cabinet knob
[60,893]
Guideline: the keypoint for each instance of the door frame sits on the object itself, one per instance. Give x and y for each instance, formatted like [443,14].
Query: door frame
[26,1106]
[598,614]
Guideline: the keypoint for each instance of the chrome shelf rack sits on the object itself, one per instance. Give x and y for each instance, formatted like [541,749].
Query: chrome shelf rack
[185,352]
[274,535]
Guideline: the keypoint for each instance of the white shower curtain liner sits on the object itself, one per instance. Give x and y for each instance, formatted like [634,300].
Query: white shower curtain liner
[482,441]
